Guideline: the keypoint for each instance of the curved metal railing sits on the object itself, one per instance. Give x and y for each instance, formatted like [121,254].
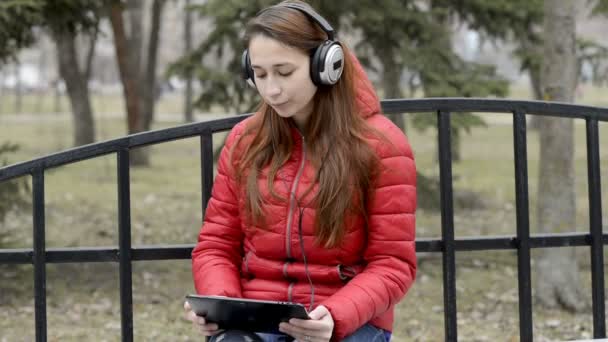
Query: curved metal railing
[522,241]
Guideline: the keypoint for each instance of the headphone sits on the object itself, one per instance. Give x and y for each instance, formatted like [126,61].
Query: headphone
[327,61]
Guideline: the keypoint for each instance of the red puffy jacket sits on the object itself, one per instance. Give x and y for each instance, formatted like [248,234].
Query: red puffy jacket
[361,280]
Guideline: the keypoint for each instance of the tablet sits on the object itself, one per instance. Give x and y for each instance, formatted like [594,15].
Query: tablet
[245,314]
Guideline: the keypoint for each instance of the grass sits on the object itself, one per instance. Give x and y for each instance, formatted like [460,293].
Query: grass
[82,211]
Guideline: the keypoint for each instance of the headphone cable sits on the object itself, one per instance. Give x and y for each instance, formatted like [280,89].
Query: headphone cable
[312,287]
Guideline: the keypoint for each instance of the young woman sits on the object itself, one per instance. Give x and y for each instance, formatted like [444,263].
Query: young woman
[314,201]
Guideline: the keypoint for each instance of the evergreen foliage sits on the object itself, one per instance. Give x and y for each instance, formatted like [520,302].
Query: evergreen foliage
[13,194]
[19,20]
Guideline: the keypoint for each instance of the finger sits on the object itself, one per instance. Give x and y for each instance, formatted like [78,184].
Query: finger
[187,306]
[298,332]
[305,338]
[318,313]
[205,332]
[190,315]
[209,329]
[308,324]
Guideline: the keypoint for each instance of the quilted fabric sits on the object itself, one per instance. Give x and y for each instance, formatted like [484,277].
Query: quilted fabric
[359,281]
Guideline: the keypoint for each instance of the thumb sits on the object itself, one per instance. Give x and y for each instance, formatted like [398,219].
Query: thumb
[318,313]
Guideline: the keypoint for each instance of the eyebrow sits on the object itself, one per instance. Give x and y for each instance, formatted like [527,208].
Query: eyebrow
[274,65]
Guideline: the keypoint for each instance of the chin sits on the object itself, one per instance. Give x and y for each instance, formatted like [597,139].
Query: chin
[282,112]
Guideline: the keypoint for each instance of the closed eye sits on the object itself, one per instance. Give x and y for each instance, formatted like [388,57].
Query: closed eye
[282,74]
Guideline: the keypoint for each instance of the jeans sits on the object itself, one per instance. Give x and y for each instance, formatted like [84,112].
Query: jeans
[367,333]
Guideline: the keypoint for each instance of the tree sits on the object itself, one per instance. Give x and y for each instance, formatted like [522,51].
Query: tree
[149,84]
[600,7]
[128,77]
[76,77]
[139,82]
[216,62]
[445,74]
[188,108]
[16,21]
[558,280]
[64,19]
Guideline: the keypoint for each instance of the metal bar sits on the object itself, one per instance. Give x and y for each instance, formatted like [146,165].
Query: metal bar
[124,245]
[508,242]
[78,255]
[595,227]
[484,244]
[206,168]
[16,256]
[179,252]
[97,254]
[460,105]
[447,225]
[39,255]
[520,155]
[175,252]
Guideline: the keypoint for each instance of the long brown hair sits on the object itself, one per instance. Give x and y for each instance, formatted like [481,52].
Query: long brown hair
[335,136]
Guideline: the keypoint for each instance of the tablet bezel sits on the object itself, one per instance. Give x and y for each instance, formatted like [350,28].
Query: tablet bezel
[245,314]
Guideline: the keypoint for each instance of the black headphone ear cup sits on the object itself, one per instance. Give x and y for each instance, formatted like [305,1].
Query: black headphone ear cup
[315,65]
[246,70]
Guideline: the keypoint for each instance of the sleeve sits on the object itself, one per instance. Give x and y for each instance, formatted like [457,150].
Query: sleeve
[390,252]
[216,259]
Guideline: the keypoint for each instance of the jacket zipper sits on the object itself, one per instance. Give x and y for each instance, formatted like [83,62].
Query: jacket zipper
[247,262]
[292,199]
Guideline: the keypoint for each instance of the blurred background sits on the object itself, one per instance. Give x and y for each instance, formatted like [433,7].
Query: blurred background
[75,72]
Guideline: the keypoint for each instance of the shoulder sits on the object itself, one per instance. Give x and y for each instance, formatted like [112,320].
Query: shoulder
[239,130]
[388,140]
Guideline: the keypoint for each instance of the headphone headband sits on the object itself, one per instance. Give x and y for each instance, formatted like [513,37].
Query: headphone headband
[315,17]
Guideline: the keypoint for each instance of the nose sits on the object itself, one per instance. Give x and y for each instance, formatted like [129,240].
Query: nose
[273,88]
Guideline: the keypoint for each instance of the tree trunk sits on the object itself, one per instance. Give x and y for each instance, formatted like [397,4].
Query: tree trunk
[135,39]
[149,85]
[188,108]
[391,77]
[57,101]
[128,77]
[88,63]
[1,92]
[535,82]
[537,91]
[134,35]
[558,280]
[18,88]
[77,87]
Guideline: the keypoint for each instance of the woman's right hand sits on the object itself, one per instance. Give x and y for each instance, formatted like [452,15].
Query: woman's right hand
[199,323]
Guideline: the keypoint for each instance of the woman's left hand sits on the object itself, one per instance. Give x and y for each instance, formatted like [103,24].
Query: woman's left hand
[318,328]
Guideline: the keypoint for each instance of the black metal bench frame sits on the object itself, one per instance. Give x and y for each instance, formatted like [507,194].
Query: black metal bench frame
[523,241]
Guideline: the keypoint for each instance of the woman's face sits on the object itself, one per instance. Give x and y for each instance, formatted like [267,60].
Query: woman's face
[282,77]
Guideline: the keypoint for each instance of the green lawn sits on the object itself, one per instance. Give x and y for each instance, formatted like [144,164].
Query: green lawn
[82,211]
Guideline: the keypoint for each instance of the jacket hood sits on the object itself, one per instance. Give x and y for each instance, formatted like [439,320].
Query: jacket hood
[367,99]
